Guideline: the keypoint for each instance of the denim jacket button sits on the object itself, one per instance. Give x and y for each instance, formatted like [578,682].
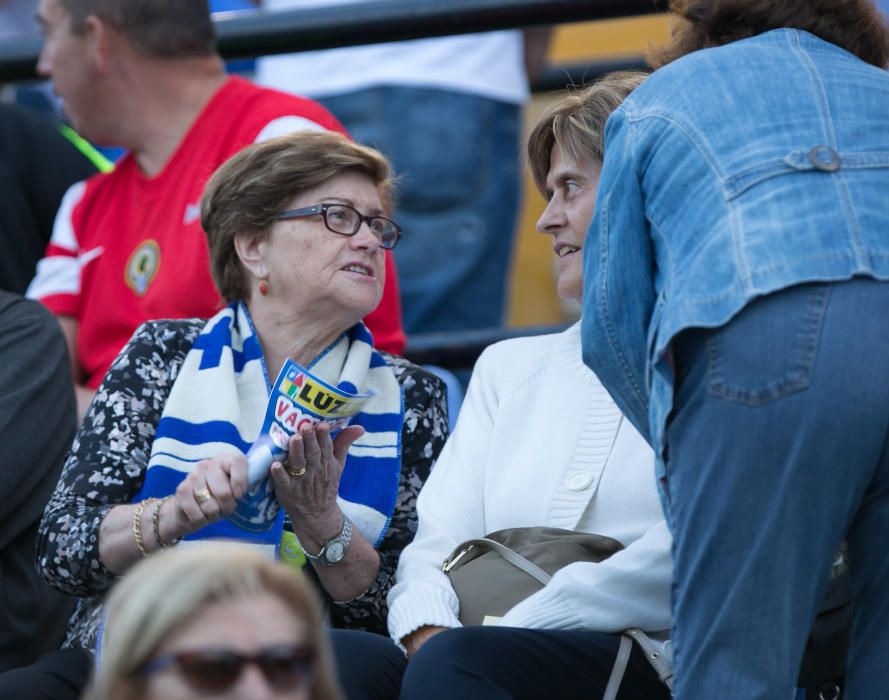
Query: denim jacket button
[825,158]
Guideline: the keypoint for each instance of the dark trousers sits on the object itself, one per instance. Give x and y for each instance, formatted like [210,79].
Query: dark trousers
[57,675]
[369,666]
[490,663]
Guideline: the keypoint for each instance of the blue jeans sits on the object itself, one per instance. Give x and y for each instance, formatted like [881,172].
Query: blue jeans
[457,158]
[777,449]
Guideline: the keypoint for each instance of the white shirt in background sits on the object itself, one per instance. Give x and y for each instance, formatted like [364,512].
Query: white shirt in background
[489,64]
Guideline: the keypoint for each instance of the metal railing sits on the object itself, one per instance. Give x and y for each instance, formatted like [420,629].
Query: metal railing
[559,76]
[251,34]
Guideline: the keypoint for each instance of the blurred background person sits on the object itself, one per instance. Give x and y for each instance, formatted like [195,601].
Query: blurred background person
[127,246]
[37,421]
[219,621]
[17,18]
[736,288]
[447,113]
[37,165]
[298,230]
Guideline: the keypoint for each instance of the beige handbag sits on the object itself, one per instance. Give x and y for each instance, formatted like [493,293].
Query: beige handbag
[492,574]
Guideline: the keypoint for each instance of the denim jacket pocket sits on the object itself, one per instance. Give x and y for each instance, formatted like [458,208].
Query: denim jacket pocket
[768,350]
[819,157]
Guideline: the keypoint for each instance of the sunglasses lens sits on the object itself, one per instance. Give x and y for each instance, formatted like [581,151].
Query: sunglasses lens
[211,671]
[285,667]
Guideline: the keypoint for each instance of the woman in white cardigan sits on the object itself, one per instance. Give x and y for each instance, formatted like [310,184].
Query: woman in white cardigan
[539,442]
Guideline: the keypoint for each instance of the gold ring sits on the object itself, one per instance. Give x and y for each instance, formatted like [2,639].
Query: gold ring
[202,496]
[296,472]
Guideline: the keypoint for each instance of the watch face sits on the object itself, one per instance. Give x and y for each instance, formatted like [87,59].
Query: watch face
[334,552]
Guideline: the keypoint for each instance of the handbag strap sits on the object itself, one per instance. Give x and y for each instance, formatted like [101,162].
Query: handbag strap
[620,667]
[659,663]
[661,666]
[514,558]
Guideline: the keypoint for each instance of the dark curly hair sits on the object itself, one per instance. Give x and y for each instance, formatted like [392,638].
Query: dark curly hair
[855,25]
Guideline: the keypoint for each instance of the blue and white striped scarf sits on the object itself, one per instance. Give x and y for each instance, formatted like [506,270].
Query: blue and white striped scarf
[218,402]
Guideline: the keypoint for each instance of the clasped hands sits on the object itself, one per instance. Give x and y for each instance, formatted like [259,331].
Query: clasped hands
[306,485]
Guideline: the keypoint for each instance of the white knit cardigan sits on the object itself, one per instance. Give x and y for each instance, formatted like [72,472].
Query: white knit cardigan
[540,442]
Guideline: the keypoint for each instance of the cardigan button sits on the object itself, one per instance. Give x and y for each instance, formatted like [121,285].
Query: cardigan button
[579,481]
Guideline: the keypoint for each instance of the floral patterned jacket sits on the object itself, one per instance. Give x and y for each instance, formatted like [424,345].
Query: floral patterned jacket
[108,458]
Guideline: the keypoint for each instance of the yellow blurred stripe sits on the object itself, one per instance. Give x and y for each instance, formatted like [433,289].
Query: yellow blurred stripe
[608,38]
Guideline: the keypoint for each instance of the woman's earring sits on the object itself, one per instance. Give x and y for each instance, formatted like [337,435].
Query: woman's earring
[264,285]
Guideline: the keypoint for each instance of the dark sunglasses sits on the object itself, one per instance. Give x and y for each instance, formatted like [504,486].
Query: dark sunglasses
[215,670]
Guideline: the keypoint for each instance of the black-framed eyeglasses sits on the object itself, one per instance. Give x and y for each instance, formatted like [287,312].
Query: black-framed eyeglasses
[286,667]
[346,220]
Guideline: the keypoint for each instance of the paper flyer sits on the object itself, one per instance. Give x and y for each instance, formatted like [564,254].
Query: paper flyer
[298,398]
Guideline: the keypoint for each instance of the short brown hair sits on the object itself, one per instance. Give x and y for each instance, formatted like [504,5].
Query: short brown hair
[169,589]
[576,122]
[251,188]
[162,28]
[855,25]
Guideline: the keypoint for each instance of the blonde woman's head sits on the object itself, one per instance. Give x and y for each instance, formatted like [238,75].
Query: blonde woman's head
[220,615]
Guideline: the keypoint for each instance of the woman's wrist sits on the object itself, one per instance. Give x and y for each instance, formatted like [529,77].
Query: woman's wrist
[168,526]
[161,541]
[139,530]
[314,530]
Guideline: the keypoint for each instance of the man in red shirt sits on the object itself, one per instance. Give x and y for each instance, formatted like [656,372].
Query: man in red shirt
[127,246]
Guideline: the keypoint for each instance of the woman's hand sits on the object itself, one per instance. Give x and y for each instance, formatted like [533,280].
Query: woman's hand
[203,497]
[307,486]
[413,641]
[209,493]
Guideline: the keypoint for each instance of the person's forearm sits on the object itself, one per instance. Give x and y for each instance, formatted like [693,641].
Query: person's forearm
[536,43]
[629,589]
[118,547]
[117,541]
[349,578]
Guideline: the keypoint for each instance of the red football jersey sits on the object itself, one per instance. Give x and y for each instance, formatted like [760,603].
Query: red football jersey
[127,248]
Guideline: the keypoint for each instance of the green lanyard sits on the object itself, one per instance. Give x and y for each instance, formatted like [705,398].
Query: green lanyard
[103,165]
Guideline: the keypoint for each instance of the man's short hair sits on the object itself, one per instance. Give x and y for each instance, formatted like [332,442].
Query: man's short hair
[855,25]
[161,28]
[246,194]
[576,122]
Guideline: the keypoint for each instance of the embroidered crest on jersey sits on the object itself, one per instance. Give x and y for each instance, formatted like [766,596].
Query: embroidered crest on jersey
[142,266]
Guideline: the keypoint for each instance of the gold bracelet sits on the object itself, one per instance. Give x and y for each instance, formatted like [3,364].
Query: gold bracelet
[155,521]
[137,525]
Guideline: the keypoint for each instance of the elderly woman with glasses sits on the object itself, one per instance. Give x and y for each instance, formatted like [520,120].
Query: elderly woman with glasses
[222,622]
[298,232]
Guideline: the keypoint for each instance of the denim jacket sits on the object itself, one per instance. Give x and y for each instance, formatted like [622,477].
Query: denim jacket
[731,173]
